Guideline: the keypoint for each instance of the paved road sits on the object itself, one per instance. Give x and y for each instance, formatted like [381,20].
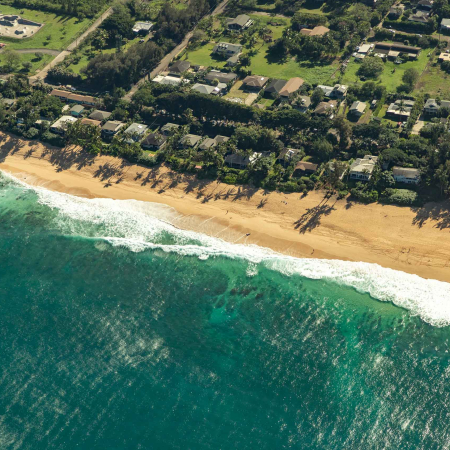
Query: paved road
[61,55]
[164,64]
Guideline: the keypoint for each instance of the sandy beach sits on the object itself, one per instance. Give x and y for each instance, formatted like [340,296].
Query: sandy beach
[411,240]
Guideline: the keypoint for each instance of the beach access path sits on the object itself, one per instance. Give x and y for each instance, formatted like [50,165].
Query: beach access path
[164,63]
[41,75]
[413,240]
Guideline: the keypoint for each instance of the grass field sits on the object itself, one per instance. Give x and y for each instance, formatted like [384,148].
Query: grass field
[435,82]
[392,73]
[56,34]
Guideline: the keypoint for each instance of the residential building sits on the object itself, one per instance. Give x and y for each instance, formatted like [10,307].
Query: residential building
[400,109]
[226,49]
[274,87]
[384,48]
[221,77]
[240,23]
[396,12]
[291,87]
[316,31]
[99,115]
[237,161]
[444,56]
[254,82]
[304,168]
[135,132]
[111,128]
[203,88]
[92,122]
[364,49]
[326,109]
[207,143]
[169,129]
[445,25]
[406,175]
[419,16]
[432,107]
[232,61]
[425,5]
[179,67]
[301,103]
[76,110]
[154,141]
[60,126]
[337,91]
[221,139]
[167,80]
[142,27]
[74,98]
[190,141]
[287,155]
[357,109]
[362,168]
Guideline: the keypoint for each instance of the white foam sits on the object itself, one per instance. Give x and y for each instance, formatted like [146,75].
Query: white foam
[139,226]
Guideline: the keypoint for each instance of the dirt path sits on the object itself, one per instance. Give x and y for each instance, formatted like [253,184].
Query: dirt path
[61,55]
[164,64]
[45,51]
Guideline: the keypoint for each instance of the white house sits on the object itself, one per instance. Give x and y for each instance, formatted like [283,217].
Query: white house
[362,168]
[406,175]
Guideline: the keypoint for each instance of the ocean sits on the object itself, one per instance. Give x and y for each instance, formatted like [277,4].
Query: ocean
[120,331]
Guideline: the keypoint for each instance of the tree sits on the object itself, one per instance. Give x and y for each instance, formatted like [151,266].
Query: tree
[345,131]
[39,56]
[410,77]
[245,60]
[371,67]
[317,96]
[27,65]
[11,58]
[322,149]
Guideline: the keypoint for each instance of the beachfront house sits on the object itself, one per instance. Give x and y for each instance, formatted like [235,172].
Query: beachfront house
[362,168]
[240,23]
[154,141]
[190,141]
[135,132]
[406,175]
[303,168]
[91,122]
[287,155]
[238,161]
[111,128]
[60,126]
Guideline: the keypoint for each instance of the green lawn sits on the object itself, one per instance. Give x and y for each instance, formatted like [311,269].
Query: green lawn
[389,78]
[435,82]
[61,29]
[203,56]
[30,57]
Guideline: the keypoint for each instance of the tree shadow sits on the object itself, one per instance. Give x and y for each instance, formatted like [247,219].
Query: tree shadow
[312,217]
[107,171]
[436,212]
[262,203]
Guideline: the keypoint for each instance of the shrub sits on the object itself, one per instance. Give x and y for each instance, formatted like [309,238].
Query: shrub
[231,178]
[404,197]
[365,195]
[32,133]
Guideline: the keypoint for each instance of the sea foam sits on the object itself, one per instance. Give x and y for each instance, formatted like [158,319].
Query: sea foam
[140,226]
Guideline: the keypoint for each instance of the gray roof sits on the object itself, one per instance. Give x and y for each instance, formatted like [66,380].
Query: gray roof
[203,88]
[207,143]
[227,47]
[170,126]
[154,139]
[223,77]
[112,125]
[445,22]
[220,139]
[136,128]
[358,106]
[146,26]
[275,86]
[179,66]
[77,108]
[240,20]
[99,115]
[190,139]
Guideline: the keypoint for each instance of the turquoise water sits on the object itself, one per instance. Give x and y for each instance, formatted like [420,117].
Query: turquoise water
[118,331]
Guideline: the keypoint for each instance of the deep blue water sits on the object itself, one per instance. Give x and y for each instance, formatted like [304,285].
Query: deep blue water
[106,343]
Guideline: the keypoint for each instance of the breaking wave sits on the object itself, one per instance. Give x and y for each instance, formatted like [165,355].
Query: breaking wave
[139,226]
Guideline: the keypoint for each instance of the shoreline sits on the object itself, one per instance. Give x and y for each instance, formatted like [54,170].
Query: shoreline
[400,238]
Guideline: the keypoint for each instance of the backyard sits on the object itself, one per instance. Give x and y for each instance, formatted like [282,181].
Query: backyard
[391,76]
[434,81]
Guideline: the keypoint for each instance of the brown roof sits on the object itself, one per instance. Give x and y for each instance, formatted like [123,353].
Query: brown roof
[306,166]
[255,81]
[316,31]
[323,107]
[60,93]
[293,85]
[95,123]
[74,97]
